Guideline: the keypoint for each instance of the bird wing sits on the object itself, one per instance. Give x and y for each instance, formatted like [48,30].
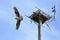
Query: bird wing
[17,24]
[16,12]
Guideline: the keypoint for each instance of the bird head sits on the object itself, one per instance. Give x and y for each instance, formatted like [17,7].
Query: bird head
[16,18]
[21,18]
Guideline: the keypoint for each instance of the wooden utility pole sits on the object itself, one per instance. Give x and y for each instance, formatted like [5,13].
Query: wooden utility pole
[40,30]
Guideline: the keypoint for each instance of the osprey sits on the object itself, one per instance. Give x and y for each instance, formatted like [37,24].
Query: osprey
[18,18]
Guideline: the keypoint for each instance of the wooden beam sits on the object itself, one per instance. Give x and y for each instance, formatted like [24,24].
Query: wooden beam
[40,30]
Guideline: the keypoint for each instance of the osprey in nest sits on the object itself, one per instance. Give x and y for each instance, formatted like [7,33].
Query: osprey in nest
[18,18]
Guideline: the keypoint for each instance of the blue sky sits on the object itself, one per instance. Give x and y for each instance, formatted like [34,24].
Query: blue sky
[27,30]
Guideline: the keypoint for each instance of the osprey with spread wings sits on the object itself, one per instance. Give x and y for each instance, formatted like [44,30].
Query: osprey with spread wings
[18,18]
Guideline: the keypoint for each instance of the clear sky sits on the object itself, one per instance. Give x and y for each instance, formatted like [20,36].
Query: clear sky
[27,30]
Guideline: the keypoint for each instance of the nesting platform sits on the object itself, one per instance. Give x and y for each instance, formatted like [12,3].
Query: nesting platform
[39,14]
